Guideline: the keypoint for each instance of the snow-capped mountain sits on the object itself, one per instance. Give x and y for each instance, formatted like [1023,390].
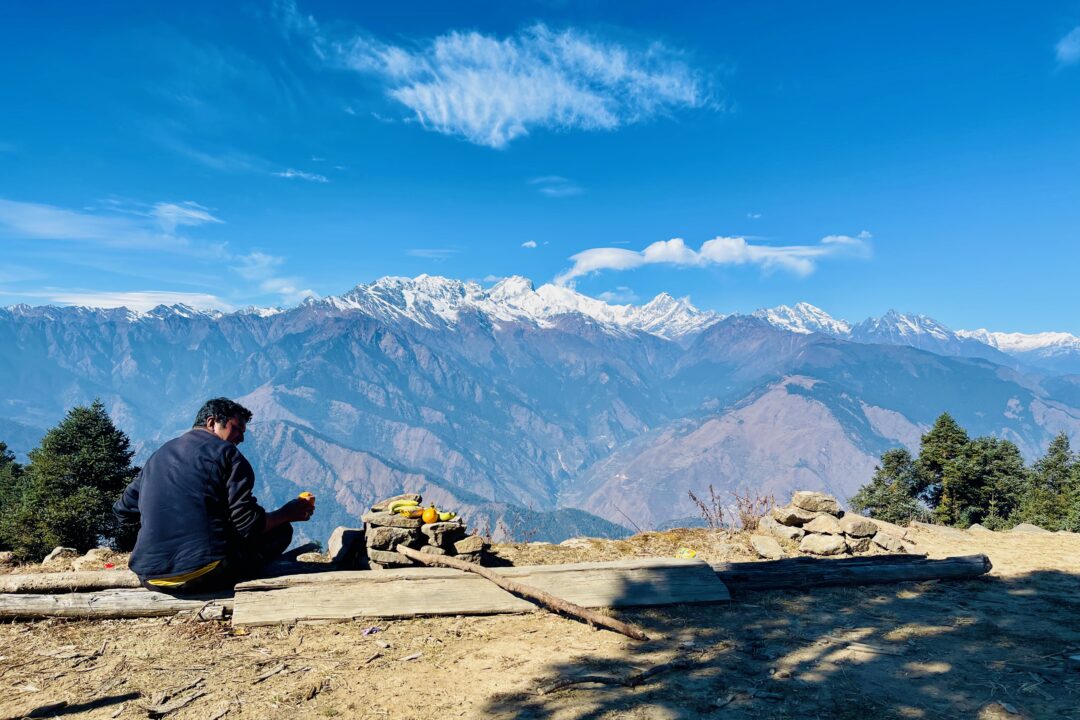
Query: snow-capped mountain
[435,302]
[804,318]
[1057,352]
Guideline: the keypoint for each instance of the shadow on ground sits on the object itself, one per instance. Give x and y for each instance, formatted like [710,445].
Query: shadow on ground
[934,649]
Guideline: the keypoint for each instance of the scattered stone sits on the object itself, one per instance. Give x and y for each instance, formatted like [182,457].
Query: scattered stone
[474,544]
[344,546]
[86,563]
[816,502]
[385,557]
[890,543]
[977,528]
[823,545]
[1029,528]
[767,547]
[433,550]
[578,542]
[385,519]
[443,534]
[7,558]
[770,525]
[100,554]
[383,504]
[60,553]
[384,538]
[793,516]
[859,544]
[857,526]
[826,524]
[311,557]
[999,711]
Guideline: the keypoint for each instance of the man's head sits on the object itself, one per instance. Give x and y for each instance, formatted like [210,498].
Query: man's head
[224,418]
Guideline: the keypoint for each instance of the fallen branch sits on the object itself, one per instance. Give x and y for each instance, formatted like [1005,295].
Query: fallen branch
[632,680]
[536,595]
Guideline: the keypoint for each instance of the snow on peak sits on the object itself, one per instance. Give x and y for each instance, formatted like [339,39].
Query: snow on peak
[905,325]
[1023,342]
[804,318]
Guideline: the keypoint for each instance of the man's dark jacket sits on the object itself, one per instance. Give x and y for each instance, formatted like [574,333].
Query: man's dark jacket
[194,498]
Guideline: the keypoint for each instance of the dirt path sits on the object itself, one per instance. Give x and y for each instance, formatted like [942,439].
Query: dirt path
[917,650]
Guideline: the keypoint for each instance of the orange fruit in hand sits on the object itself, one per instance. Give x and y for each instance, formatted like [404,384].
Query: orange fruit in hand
[430,515]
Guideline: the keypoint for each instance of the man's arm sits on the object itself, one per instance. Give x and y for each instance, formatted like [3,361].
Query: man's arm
[126,509]
[245,513]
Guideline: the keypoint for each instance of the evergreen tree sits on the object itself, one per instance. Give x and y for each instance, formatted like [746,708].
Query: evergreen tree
[891,495]
[1045,499]
[9,476]
[940,446]
[983,484]
[64,496]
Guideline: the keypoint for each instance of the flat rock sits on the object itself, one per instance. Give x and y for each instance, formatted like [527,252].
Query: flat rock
[470,545]
[767,547]
[578,542]
[60,553]
[385,557]
[857,526]
[385,538]
[793,516]
[816,502]
[433,550]
[344,545]
[888,542]
[471,557]
[311,557]
[383,504]
[825,524]
[999,711]
[1029,528]
[859,544]
[823,544]
[770,525]
[385,519]
[444,534]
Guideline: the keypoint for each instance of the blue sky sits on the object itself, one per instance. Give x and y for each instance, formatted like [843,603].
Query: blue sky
[922,156]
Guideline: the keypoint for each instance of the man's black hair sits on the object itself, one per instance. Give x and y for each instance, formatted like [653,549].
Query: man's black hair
[221,409]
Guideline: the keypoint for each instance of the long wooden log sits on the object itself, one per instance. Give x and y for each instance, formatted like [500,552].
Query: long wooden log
[68,581]
[535,594]
[111,604]
[806,572]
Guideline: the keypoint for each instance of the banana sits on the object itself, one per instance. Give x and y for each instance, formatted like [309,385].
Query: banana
[444,516]
[393,507]
[410,512]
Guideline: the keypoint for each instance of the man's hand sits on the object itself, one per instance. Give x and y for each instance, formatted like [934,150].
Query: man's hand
[296,510]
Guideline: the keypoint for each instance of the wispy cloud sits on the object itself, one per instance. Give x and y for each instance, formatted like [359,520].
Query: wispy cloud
[620,294]
[529,244]
[139,300]
[799,259]
[312,177]
[431,253]
[39,221]
[1068,48]
[262,268]
[556,186]
[491,90]
[171,215]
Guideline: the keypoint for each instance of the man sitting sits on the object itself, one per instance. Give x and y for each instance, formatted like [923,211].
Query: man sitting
[201,526]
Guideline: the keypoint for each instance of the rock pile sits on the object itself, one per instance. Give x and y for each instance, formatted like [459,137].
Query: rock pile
[383,531]
[816,522]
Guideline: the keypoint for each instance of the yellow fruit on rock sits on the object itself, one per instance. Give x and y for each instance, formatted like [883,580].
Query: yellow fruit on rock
[430,515]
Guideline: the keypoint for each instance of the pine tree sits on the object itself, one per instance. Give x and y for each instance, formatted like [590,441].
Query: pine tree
[64,496]
[891,495]
[983,484]
[940,446]
[9,476]
[1045,499]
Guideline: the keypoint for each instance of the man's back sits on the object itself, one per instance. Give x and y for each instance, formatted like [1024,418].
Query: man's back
[194,498]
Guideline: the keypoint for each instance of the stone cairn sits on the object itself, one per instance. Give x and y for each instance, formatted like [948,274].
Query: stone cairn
[815,521]
[384,531]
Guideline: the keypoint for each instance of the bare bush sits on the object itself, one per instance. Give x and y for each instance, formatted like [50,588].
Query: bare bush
[712,511]
[751,508]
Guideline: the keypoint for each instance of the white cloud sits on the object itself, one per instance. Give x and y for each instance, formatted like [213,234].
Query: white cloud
[799,259]
[492,90]
[138,300]
[171,215]
[1068,48]
[529,244]
[620,294]
[48,222]
[753,215]
[313,177]
[556,186]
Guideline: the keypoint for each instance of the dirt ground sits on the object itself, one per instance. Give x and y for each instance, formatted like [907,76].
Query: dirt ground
[913,650]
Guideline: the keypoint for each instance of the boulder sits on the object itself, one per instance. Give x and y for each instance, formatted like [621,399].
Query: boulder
[977,528]
[770,525]
[385,538]
[470,557]
[344,546]
[385,557]
[101,554]
[792,516]
[816,502]
[823,545]
[60,553]
[825,524]
[1029,528]
[444,534]
[433,550]
[470,545]
[858,526]
[383,504]
[859,544]
[888,542]
[385,519]
[767,547]
[311,557]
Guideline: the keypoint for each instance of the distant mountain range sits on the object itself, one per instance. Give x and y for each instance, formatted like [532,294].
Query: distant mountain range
[539,412]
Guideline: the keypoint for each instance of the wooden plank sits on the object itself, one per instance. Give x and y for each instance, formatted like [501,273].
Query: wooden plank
[68,581]
[411,592]
[105,604]
[805,572]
